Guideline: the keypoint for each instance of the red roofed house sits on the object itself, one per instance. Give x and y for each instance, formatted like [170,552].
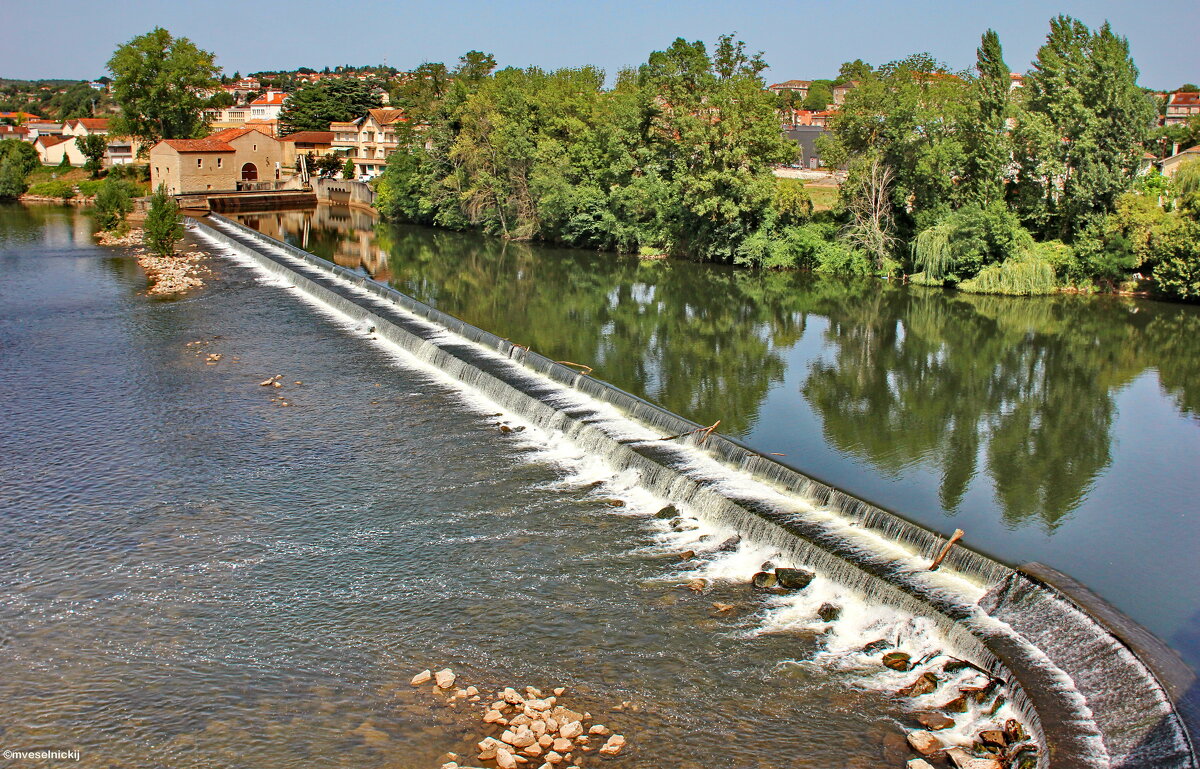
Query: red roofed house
[85,125]
[233,159]
[13,132]
[50,150]
[1182,106]
[306,143]
[264,112]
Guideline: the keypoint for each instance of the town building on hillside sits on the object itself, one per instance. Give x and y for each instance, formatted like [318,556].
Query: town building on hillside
[19,117]
[230,160]
[219,119]
[85,126]
[1171,165]
[51,149]
[268,106]
[798,87]
[40,127]
[1182,106]
[306,143]
[369,140]
[1015,80]
[806,136]
[840,91]
[13,132]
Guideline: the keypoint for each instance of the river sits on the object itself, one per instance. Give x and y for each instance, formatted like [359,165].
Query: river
[195,575]
[1063,430]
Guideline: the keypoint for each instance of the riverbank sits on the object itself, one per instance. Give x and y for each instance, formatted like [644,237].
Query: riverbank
[166,275]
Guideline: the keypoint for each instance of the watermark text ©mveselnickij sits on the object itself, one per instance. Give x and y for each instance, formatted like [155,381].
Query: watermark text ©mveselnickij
[40,755]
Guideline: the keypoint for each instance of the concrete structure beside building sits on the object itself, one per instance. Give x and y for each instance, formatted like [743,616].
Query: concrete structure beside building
[233,159]
[1171,165]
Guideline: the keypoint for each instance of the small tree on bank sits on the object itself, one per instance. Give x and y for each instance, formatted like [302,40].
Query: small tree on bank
[12,179]
[93,147]
[114,201]
[348,170]
[162,228]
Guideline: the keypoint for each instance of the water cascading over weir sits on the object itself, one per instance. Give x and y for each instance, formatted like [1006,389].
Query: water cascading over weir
[1095,689]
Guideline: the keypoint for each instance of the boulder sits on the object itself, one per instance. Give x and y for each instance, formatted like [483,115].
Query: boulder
[934,721]
[523,738]
[560,691]
[918,763]
[538,705]
[875,647]
[687,555]
[505,760]
[533,750]
[794,579]
[956,705]
[829,612]
[545,740]
[924,743]
[600,730]
[613,746]
[898,661]
[729,545]
[763,579]
[510,696]
[994,737]
[554,758]
[562,745]
[424,677]
[444,678]
[492,716]
[923,685]
[565,715]
[1013,732]
[571,730]
[667,513]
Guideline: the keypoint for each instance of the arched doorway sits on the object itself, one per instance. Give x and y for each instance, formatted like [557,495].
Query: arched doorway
[249,173]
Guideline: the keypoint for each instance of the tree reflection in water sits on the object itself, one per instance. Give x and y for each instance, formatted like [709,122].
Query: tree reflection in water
[1022,388]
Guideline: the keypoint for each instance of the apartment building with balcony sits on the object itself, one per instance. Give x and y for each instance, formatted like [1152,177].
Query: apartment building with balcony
[369,140]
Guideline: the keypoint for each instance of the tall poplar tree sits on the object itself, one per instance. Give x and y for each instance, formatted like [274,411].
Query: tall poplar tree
[989,151]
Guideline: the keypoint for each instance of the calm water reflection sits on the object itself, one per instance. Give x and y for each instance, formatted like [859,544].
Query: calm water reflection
[1062,429]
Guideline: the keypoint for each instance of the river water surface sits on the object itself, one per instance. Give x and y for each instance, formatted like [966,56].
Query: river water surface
[1063,430]
[193,575]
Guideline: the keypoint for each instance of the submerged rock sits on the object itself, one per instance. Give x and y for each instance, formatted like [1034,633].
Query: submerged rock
[424,677]
[924,743]
[444,678]
[794,579]
[934,721]
[763,579]
[923,685]
[875,646]
[829,612]
[613,746]
[667,513]
[729,545]
[898,661]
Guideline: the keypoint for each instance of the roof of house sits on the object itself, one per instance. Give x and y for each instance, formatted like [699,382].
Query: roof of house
[1015,76]
[270,98]
[20,115]
[310,137]
[90,123]
[1184,97]
[13,129]
[229,134]
[198,145]
[387,116]
[46,140]
[792,84]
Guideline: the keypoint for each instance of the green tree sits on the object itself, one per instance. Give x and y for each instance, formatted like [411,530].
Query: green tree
[315,106]
[12,178]
[988,150]
[93,147]
[114,201]
[820,95]
[162,228]
[348,169]
[157,82]
[474,66]
[23,154]
[1083,126]
[75,102]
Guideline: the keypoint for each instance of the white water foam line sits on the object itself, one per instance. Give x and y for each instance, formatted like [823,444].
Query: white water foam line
[865,619]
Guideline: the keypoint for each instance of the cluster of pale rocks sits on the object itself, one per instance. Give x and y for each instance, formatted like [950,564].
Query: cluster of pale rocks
[537,728]
[167,274]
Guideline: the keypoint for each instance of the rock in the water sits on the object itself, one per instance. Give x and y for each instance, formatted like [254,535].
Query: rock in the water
[687,555]
[424,677]
[794,579]
[562,745]
[523,738]
[505,760]
[571,730]
[554,758]
[956,705]
[545,740]
[875,646]
[993,737]
[961,759]
[934,721]
[918,763]
[697,585]
[763,579]
[510,696]
[829,612]
[898,661]
[1013,731]
[613,746]
[492,716]
[444,678]
[923,685]
[667,513]
[924,743]
[767,566]
[600,730]
[1024,757]
[560,691]
[729,545]
[722,607]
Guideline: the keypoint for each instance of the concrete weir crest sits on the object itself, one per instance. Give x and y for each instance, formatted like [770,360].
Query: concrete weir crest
[1096,689]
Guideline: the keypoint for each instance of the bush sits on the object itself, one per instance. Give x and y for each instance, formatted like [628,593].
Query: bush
[965,241]
[1178,252]
[23,154]
[89,187]
[134,172]
[114,201]
[12,179]
[56,188]
[162,228]
[1021,276]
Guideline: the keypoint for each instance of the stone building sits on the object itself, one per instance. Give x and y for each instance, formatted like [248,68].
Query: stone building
[230,160]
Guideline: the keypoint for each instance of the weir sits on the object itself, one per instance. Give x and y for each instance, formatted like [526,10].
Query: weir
[1094,690]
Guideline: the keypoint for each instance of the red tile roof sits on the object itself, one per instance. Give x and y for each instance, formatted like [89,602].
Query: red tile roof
[229,134]
[91,123]
[197,145]
[387,116]
[1184,97]
[46,140]
[792,84]
[310,137]
[270,98]
[18,130]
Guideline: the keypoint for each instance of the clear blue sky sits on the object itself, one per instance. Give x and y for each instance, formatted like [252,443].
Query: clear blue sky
[801,38]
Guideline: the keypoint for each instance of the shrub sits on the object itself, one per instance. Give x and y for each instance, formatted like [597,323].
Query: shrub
[1020,276]
[1178,252]
[55,188]
[89,187]
[114,201]
[162,228]
[965,241]
[12,179]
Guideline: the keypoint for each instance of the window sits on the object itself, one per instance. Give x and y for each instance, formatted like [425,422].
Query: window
[199,162]
[219,160]
[255,147]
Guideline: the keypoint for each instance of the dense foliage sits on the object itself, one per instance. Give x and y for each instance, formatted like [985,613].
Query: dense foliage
[159,82]
[675,158]
[162,228]
[315,106]
[114,201]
